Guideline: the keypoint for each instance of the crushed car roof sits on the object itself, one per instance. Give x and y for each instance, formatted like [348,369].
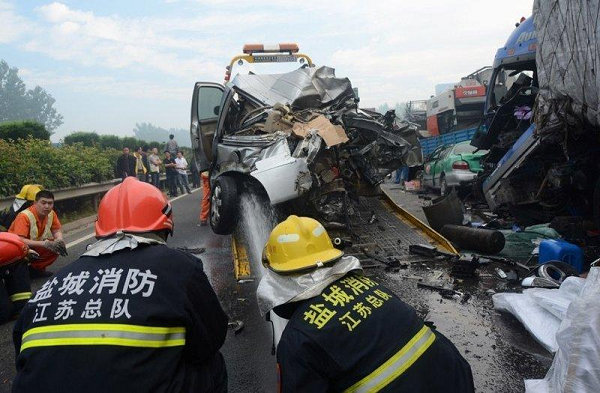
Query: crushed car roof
[302,88]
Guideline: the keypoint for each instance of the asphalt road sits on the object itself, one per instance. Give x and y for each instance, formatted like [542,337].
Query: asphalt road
[250,366]
[500,351]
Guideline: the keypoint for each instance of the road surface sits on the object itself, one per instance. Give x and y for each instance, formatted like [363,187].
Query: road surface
[500,351]
[250,366]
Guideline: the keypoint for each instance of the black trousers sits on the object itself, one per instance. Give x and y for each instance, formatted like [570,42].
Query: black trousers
[15,289]
[211,376]
[172,183]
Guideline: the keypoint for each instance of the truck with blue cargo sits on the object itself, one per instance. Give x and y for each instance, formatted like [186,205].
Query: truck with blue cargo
[543,149]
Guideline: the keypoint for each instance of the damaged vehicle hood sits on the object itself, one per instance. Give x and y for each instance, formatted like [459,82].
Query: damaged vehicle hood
[303,88]
[302,134]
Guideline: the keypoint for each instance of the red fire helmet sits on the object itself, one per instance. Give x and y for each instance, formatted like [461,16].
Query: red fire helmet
[12,248]
[133,207]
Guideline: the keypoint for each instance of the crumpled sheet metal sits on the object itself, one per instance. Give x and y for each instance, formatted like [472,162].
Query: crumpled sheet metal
[567,61]
[275,290]
[302,88]
[245,150]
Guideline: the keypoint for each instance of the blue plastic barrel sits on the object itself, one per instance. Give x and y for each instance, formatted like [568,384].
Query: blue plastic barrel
[560,250]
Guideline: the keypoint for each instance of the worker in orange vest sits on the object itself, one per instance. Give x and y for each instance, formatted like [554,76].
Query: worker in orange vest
[39,228]
[205,206]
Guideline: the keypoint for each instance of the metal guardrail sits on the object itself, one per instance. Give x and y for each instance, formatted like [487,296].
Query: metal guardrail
[88,189]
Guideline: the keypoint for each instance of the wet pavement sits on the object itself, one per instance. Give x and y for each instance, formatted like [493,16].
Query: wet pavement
[500,351]
[250,366]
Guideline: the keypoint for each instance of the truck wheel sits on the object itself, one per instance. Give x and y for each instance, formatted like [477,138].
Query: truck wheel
[224,205]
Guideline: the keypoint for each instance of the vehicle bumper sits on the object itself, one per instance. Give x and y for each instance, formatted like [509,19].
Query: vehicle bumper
[459,178]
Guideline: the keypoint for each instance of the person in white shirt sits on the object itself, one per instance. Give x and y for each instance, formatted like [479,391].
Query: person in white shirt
[182,166]
[155,162]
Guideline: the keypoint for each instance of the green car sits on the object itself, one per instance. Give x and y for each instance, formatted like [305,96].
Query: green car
[452,166]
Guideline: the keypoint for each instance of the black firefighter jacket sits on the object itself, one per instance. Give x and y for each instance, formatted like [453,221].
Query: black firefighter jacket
[143,320]
[357,336]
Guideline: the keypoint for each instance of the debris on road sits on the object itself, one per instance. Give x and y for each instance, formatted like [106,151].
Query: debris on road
[575,366]
[447,293]
[445,210]
[474,239]
[541,310]
[237,326]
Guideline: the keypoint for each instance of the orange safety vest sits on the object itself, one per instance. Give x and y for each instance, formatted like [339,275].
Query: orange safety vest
[33,230]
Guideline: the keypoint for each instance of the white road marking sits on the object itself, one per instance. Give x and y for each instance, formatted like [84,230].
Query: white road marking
[82,239]
[91,235]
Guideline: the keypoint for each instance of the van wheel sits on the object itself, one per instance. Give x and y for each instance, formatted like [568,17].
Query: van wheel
[224,205]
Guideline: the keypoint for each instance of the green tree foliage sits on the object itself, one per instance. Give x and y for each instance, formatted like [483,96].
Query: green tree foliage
[149,132]
[35,161]
[23,129]
[85,138]
[18,103]
[108,141]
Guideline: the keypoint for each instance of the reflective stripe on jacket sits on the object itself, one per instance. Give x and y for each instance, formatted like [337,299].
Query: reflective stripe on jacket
[104,334]
[142,320]
[33,229]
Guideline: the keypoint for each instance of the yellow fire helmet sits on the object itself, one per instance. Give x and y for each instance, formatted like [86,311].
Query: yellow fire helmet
[29,191]
[299,244]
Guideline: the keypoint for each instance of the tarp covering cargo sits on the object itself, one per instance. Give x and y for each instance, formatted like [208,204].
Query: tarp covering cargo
[568,63]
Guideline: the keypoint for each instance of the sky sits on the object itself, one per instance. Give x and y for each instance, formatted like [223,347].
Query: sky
[110,64]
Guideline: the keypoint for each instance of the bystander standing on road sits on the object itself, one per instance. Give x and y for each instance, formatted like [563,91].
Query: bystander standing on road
[182,165]
[171,172]
[125,165]
[40,229]
[172,146]
[146,163]
[140,169]
[401,175]
[195,173]
[154,162]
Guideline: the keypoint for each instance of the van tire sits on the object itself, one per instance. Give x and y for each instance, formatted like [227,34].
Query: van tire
[224,205]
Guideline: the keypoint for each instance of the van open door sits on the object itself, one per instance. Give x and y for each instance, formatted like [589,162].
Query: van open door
[206,108]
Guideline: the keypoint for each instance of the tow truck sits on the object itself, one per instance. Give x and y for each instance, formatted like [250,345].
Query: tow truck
[297,139]
[208,102]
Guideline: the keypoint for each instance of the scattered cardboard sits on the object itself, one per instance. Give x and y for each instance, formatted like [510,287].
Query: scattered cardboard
[332,135]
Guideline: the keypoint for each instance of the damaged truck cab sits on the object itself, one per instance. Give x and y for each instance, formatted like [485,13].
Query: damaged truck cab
[532,176]
[507,130]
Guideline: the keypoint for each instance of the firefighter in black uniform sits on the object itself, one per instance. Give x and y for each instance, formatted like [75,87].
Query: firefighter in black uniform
[130,315]
[346,332]
[15,286]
